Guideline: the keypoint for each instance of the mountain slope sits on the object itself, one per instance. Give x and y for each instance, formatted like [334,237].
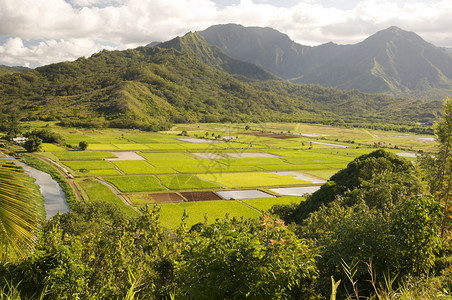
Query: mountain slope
[149,88]
[194,44]
[392,61]
[264,47]
[8,70]
[143,87]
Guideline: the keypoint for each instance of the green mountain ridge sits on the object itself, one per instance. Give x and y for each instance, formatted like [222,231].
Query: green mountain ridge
[9,70]
[196,45]
[392,61]
[152,87]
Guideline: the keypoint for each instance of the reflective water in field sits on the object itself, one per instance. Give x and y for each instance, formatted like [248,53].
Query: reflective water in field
[54,199]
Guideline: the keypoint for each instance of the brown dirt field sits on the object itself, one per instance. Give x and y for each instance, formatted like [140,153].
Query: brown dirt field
[167,197]
[269,135]
[200,196]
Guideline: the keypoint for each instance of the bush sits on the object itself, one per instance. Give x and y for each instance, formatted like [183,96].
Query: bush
[82,145]
[237,259]
[33,144]
[400,243]
[47,136]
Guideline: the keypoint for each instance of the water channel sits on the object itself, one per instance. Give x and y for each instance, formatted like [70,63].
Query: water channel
[54,199]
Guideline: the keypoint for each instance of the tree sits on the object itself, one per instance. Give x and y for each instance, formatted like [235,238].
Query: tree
[33,144]
[398,243]
[443,131]
[19,218]
[236,259]
[83,145]
[380,179]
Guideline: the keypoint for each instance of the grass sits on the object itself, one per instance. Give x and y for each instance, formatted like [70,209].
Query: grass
[102,147]
[252,179]
[73,138]
[171,213]
[325,174]
[93,173]
[140,167]
[98,192]
[162,146]
[186,182]
[140,198]
[138,183]
[141,138]
[158,156]
[51,147]
[131,146]
[214,167]
[170,165]
[83,155]
[266,203]
[89,164]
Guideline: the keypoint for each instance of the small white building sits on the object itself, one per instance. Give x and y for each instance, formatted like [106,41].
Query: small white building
[20,140]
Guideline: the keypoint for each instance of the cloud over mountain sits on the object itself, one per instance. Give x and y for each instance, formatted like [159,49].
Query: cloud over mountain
[125,24]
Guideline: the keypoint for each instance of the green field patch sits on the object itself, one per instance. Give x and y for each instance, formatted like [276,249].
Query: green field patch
[89,164]
[165,156]
[48,155]
[282,167]
[220,146]
[251,161]
[100,147]
[174,163]
[110,139]
[98,192]
[92,173]
[252,179]
[267,203]
[165,138]
[140,198]
[127,184]
[213,167]
[140,167]
[318,159]
[162,146]
[186,182]
[76,138]
[47,147]
[297,153]
[171,213]
[131,146]
[140,138]
[337,166]
[83,155]
[352,152]
[325,174]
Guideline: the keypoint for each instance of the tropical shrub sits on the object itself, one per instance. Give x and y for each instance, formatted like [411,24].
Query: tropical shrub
[236,259]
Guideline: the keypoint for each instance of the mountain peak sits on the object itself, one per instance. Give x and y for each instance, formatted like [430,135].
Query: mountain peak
[392,33]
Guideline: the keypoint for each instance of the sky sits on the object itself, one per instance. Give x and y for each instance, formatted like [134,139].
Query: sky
[39,32]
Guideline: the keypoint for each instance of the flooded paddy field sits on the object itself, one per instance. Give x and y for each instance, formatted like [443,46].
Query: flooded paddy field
[212,164]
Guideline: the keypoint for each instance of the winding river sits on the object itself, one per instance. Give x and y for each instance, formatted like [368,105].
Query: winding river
[54,199]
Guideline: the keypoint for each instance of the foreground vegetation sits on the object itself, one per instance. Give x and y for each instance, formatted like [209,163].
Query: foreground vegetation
[379,228]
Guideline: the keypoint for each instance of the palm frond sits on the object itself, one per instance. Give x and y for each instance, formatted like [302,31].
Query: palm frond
[19,218]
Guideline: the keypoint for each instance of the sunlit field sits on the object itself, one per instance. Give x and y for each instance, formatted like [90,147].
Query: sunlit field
[140,166]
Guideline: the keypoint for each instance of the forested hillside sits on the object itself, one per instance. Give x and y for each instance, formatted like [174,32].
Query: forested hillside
[150,88]
[8,70]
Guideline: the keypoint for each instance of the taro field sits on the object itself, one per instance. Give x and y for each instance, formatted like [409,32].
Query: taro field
[209,171]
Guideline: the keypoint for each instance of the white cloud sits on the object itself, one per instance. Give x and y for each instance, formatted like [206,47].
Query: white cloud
[87,25]
[13,52]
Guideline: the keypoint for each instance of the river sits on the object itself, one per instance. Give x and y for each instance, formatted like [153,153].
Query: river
[54,199]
